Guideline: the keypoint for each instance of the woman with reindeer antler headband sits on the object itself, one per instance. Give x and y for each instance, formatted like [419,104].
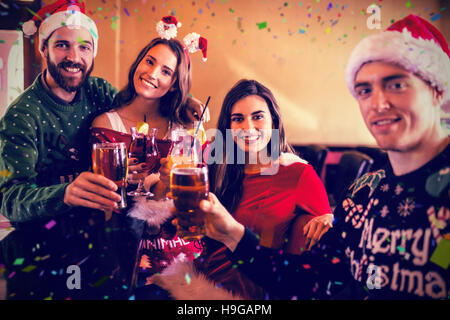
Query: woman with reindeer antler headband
[159,81]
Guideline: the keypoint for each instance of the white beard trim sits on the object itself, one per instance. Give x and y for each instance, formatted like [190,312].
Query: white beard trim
[154,212]
[184,282]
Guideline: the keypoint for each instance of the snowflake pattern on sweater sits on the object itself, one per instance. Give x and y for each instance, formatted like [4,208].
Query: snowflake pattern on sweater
[390,240]
[394,225]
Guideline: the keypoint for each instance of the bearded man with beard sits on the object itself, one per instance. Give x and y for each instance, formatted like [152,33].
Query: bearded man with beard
[44,150]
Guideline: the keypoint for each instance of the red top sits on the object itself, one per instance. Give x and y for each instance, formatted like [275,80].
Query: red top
[268,207]
[269,202]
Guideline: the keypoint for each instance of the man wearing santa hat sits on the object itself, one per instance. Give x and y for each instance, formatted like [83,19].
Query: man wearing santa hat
[44,151]
[391,234]
[44,154]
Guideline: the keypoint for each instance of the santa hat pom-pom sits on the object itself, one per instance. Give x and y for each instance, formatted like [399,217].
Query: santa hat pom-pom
[29,28]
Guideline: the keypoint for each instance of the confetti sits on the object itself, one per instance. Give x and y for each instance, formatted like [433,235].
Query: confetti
[126,11]
[262,25]
[18,261]
[50,224]
[29,268]
[33,13]
[93,33]
[5,173]
[101,281]
[435,17]
[187,277]
[441,255]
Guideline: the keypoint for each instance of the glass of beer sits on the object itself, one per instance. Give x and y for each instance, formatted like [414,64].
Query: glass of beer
[110,160]
[188,186]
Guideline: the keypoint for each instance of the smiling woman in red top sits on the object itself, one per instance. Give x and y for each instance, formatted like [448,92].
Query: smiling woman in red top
[263,184]
[267,192]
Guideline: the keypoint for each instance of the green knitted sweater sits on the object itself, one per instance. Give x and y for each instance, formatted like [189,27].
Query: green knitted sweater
[44,146]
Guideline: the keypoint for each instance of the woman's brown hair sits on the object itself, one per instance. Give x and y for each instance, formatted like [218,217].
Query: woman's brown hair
[171,102]
[227,178]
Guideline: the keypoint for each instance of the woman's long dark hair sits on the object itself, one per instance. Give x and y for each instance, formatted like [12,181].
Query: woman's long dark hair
[226,179]
[171,102]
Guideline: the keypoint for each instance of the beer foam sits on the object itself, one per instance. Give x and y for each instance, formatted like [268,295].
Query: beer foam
[187,171]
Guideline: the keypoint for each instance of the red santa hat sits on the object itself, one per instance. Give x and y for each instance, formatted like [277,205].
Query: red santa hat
[194,42]
[62,13]
[412,43]
[167,27]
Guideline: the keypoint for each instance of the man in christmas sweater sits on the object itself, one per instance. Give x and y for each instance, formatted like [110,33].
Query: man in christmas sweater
[44,151]
[391,234]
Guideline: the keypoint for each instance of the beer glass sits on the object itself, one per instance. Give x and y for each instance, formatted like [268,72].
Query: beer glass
[188,186]
[110,160]
[182,149]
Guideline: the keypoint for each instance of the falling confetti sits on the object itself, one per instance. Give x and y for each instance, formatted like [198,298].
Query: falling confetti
[435,17]
[50,224]
[262,25]
[5,173]
[187,277]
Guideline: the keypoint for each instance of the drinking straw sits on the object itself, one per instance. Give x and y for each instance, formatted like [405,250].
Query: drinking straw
[199,124]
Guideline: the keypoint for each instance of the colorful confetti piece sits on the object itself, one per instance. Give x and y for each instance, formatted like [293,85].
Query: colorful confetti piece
[435,17]
[262,25]
[188,277]
[5,173]
[50,224]
[441,255]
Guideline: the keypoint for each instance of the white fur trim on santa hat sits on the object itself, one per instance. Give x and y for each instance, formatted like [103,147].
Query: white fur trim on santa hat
[29,27]
[184,282]
[68,18]
[152,211]
[421,57]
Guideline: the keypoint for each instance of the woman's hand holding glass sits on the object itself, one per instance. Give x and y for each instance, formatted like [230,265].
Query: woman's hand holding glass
[136,171]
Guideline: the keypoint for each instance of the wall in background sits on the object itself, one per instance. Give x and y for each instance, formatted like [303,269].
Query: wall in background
[296,48]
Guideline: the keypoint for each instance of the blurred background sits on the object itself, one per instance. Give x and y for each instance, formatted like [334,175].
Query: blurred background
[296,48]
